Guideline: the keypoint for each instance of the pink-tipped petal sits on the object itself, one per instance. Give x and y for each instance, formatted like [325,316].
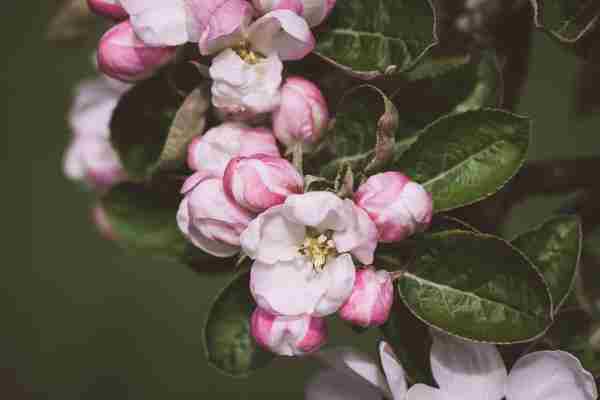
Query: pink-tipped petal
[158,23]
[108,8]
[371,299]
[288,336]
[398,206]
[225,23]
[282,32]
[260,182]
[303,115]
[211,152]
[121,55]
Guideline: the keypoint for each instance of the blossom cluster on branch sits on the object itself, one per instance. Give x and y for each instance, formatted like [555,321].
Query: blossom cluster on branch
[324,154]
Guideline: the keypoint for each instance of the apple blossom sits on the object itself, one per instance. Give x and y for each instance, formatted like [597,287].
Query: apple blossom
[353,375]
[241,90]
[260,181]
[398,206]
[302,116]
[371,299]
[175,22]
[90,157]
[209,219]
[302,253]
[247,72]
[108,8]
[92,160]
[211,152]
[463,370]
[123,56]
[288,336]
[314,11]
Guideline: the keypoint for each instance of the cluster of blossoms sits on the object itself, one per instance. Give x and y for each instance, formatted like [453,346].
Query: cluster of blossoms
[305,246]
[312,251]
[249,41]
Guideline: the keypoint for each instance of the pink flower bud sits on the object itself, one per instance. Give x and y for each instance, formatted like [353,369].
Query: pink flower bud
[209,219]
[121,55]
[260,182]
[211,152]
[398,206]
[371,299]
[288,336]
[302,116]
[314,11]
[108,8]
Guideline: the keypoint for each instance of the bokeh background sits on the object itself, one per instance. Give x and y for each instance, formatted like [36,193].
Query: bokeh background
[80,319]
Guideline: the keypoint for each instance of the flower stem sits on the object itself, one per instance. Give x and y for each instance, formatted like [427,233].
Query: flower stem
[297,155]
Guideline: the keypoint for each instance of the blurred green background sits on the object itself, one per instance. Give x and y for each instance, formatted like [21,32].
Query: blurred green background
[83,320]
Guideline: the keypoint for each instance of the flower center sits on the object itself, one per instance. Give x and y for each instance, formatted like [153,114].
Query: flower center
[247,54]
[318,249]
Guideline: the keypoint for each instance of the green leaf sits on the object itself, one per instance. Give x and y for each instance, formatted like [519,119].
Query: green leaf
[445,84]
[152,125]
[555,248]
[575,332]
[359,138]
[189,121]
[411,342]
[227,339]
[442,223]
[566,20]
[367,39]
[143,219]
[463,158]
[569,22]
[477,287]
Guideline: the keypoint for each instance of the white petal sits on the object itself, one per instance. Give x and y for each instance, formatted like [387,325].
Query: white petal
[338,276]
[334,385]
[320,210]
[158,22]
[287,288]
[355,363]
[473,371]
[424,392]
[282,32]
[360,235]
[550,375]
[271,237]
[396,377]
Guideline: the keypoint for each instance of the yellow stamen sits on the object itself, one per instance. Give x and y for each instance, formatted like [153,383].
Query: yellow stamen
[318,249]
[247,54]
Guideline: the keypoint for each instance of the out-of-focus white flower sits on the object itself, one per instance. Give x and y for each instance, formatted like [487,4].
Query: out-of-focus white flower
[463,371]
[302,253]
[90,157]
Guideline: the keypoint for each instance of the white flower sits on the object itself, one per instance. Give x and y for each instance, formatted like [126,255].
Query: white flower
[301,251]
[247,72]
[90,157]
[463,370]
[241,90]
